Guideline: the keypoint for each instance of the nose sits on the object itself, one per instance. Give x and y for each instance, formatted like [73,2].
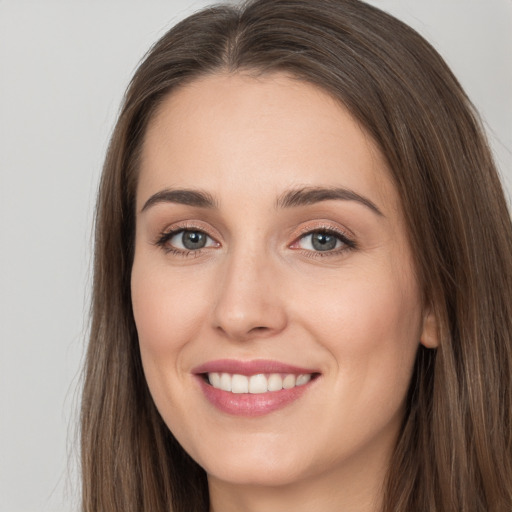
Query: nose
[249,301]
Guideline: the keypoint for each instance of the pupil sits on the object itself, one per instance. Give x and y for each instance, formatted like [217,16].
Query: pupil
[323,241]
[193,240]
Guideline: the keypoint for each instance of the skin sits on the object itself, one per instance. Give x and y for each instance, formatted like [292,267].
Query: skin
[260,290]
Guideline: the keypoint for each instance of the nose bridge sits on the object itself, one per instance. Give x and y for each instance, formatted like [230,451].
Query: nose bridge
[248,301]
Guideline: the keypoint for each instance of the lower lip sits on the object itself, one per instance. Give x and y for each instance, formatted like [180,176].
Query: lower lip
[249,404]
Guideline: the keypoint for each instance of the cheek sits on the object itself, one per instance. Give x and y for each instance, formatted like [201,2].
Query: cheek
[370,304]
[370,322]
[371,329]
[168,312]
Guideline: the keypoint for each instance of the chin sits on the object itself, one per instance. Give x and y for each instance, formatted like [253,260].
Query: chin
[261,465]
[246,474]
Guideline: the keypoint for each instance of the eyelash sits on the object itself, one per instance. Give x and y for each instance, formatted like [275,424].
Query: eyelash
[165,236]
[347,243]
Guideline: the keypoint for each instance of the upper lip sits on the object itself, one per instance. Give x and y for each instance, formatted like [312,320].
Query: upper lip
[254,367]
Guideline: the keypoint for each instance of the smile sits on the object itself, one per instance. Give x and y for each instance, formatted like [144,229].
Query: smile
[256,384]
[253,388]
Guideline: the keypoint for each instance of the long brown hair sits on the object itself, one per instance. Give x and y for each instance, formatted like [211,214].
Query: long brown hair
[455,449]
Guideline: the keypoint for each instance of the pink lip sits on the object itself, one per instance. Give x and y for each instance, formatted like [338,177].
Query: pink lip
[248,404]
[250,367]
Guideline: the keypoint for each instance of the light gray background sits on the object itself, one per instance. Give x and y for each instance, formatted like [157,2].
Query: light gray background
[63,68]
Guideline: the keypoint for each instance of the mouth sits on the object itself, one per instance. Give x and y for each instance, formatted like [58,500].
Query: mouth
[256,384]
[253,388]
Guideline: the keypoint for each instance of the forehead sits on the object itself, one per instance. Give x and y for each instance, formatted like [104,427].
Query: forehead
[263,134]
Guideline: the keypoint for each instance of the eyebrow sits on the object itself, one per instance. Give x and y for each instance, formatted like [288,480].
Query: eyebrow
[312,195]
[196,198]
[293,198]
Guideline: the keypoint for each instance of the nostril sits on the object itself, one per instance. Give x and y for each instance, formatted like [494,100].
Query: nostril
[257,329]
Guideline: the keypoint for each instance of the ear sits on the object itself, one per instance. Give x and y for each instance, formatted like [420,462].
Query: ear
[429,334]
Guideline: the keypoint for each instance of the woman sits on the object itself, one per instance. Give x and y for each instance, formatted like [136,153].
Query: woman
[302,276]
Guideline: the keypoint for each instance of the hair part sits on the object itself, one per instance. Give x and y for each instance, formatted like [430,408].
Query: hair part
[455,448]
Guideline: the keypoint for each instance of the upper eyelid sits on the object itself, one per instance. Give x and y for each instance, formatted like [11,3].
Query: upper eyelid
[168,234]
[342,237]
[346,236]
[326,227]
[176,227]
[173,229]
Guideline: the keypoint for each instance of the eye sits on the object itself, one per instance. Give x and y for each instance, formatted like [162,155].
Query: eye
[185,240]
[324,241]
[320,241]
[189,240]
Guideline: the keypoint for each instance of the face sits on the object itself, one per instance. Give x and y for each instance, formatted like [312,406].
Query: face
[273,286]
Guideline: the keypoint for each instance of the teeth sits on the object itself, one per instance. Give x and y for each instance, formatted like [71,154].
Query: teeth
[303,379]
[225,382]
[239,384]
[215,380]
[255,384]
[275,382]
[289,382]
